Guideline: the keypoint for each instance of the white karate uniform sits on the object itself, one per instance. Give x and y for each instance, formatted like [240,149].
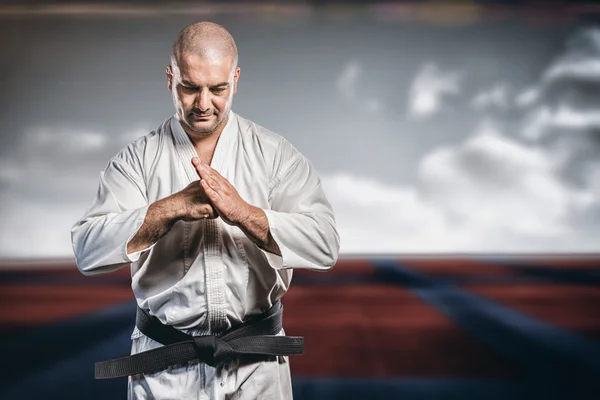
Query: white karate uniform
[205,276]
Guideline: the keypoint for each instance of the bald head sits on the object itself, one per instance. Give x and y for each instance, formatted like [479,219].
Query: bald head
[203,77]
[207,40]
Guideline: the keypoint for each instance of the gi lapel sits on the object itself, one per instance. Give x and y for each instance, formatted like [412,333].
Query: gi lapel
[212,246]
[186,151]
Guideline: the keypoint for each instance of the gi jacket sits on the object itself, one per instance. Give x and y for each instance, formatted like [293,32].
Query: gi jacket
[203,276]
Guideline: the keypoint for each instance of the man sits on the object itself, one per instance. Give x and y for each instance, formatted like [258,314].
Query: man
[212,212]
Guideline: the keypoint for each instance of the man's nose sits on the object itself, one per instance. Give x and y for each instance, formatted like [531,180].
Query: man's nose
[203,100]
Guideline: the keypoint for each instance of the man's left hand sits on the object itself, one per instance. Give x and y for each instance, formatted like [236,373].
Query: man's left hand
[223,196]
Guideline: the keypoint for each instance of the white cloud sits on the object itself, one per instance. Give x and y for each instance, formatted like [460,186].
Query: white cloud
[47,182]
[580,61]
[428,88]
[59,163]
[71,141]
[543,120]
[561,83]
[487,194]
[567,117]
[67,139]
[376,218]
[496,96]
[536,122]
[348,79]
[348,84]
[527,97]
[491,180]
[32,228]
[577,68]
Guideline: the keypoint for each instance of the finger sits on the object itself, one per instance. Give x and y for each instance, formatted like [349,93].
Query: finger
[210,170]
[214,185]
[211,212]
[200,168]
[209,178]
[215,180]
[195,164]
[220,183]
[213,172]
[210,192]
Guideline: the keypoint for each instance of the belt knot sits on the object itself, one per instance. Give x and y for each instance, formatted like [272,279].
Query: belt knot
[212,349]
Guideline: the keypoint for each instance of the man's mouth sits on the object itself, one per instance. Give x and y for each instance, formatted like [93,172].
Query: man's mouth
[201,116]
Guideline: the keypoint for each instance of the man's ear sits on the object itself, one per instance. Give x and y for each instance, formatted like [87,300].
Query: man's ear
[236,76]
[169,73]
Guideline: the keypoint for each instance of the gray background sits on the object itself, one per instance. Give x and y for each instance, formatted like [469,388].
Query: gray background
[435,130]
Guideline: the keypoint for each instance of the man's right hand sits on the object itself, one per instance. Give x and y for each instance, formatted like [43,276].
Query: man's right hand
[189,204]
[192,203]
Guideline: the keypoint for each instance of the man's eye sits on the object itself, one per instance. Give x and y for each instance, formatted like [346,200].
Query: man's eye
[219,90]
[189,89]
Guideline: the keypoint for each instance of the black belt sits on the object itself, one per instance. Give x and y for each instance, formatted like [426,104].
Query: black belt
[255,336]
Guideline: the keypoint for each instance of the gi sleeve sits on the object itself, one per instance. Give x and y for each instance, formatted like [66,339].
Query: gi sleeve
[100,238]
[301,219]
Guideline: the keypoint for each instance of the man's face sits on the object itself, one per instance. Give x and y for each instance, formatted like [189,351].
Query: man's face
[202,91]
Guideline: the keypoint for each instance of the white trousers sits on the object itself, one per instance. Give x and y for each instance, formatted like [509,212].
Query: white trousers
[198,381]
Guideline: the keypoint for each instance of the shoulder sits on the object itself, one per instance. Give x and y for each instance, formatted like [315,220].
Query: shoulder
[142,151]
[150,142]
[278,154]
[273,145]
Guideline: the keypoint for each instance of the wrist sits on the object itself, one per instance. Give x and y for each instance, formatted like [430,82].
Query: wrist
[172,208]
[245,215]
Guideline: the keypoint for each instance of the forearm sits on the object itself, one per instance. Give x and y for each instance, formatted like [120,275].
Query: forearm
[256,227]
[99,241]
[159,220]
[306,241]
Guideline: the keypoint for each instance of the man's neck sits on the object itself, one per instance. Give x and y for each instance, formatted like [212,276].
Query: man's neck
[205,145]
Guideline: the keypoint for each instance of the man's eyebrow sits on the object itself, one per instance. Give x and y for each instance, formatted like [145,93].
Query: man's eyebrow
[188,83]
[220,84]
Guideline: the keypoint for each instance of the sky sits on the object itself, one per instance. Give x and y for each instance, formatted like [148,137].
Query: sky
[478,137]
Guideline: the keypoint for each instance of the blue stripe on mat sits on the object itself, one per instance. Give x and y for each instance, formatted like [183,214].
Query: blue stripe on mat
[46,277]
[48,344]
[545,351]
[73,378]
[566,275]
[379,278]
[407,389]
